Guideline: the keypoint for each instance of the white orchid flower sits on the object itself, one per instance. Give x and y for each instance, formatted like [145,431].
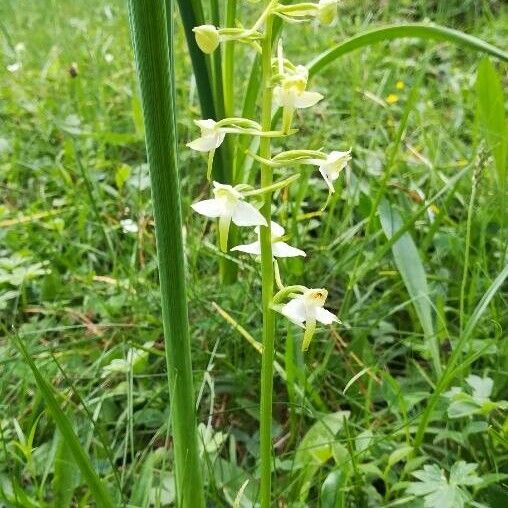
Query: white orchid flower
[280,249]
[291,94]
[213,134]
[331,167]
[211,137]
[307,309]
[229,205]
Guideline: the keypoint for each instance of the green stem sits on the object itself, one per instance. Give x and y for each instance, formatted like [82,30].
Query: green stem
[229,61]
[225,83]
[267,275]
[154,57]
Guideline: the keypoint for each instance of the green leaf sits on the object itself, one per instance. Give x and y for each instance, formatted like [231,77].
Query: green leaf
[462,408]
[399,454]
[333,494]
[141,490]
[463,473]
[122,174]
[66,475]
[438,491]
[98,490]
[410,266]
[151,23]
[415,30]
[491,113]
[316,445]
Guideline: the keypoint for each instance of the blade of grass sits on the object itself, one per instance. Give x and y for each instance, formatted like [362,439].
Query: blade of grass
[152,38]
[452,367]
[98,490]
[191,13]
[66,474]
[491,113]
[410,266]
[416,30]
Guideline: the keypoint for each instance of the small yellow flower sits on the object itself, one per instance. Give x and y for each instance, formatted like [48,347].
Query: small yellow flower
[400,85]
[392,99]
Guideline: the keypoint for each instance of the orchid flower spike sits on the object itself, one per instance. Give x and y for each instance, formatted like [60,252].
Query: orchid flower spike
[304,310]
[291,94]
[229,205]
[280,249]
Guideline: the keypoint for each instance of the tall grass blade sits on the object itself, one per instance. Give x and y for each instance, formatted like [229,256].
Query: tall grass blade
[491,113]
[98,490]
[410,266]
[416,30]
[155,67]
[65,474]
[191,13]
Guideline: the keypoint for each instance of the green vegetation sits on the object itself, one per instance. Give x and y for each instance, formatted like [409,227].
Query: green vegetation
[402,404]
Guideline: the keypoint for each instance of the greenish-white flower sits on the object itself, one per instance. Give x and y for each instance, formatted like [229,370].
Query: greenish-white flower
[291,94]
[331,167]
[212,136]
[229,205]
[307,309]
[327,11]
[280,249]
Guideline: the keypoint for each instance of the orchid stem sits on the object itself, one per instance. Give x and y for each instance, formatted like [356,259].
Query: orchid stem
[267,274]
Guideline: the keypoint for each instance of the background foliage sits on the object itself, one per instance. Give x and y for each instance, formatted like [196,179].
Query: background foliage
[78,281]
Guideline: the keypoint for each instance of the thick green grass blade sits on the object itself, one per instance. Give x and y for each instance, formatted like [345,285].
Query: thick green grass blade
[98,490]
[491,113]
[65,475]
[191,13]
[152,38]
[410,266]
[416,30]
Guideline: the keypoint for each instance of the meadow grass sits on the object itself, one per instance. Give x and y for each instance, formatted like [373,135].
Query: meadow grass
[79,283]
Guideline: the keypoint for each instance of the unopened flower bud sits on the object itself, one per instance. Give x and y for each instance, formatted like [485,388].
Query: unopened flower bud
[207,38]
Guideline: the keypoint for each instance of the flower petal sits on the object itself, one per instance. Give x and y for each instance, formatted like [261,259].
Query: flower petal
[203,144]
[244,214]
[224,223]
[324,174]
[209,208]
[295,311]
[325,316]
[249,248]
[307,99]
[276,229]
[283,250]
